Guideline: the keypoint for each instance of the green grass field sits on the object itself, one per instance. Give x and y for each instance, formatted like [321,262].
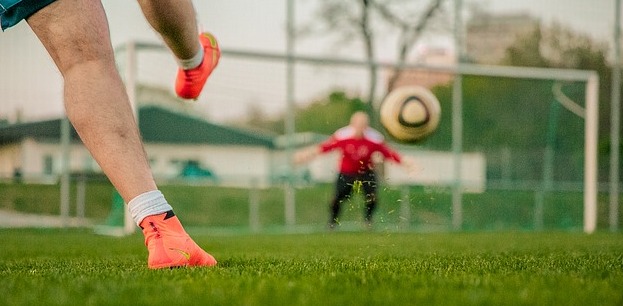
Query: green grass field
[77,267]
[431,209]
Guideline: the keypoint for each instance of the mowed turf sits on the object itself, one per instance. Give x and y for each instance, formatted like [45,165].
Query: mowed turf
[77,267]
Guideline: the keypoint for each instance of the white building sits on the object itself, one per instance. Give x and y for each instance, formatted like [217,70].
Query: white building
[185,149]
[179,146]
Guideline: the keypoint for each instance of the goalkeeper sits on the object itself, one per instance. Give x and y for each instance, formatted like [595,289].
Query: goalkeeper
[358,143]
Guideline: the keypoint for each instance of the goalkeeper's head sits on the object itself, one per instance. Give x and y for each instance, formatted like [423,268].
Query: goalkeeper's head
[359,121]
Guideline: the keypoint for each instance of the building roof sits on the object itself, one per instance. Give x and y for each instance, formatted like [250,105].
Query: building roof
[299,140]
[157,125]
[48,129]
[163,126]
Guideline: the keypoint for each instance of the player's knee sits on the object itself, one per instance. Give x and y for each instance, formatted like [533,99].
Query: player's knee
[87,63]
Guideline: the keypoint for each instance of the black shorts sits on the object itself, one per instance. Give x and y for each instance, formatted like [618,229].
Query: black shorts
[14,11]
[365,182]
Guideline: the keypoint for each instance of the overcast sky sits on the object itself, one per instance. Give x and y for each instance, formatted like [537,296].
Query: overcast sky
[29,81]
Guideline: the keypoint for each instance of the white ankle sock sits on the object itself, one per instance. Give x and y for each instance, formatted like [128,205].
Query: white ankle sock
[147,204]
[192,62]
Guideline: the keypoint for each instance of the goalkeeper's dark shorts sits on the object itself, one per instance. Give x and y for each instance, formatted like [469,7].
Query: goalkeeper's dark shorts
[14,11]
[360,183]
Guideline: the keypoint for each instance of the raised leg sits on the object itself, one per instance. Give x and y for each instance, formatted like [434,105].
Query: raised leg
[75,33]
[196,55]
[176,22]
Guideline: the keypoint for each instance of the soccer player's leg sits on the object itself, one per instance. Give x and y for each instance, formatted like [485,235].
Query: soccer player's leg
[75,33]
[343,190]
[369,185]
[197,54]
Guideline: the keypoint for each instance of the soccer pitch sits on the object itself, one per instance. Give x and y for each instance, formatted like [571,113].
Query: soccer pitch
[77,267]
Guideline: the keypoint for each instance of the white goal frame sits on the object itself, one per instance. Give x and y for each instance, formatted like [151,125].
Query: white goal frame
[590,78]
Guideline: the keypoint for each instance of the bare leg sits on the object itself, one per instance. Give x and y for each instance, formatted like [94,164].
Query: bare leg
[76,35]
[176,22]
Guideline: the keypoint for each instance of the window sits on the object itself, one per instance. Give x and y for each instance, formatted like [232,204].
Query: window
[48,164]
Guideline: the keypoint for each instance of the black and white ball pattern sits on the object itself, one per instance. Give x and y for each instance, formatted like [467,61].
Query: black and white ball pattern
[410,114]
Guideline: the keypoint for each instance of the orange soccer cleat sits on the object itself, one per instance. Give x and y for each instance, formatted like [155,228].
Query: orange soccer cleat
[189,83]
[169,245]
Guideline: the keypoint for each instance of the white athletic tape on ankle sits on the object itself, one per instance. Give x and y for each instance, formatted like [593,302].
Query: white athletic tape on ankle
[147,204]
[192,62]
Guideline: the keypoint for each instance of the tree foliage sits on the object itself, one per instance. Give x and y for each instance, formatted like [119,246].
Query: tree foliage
[327,115]
[322,116]
[556,46]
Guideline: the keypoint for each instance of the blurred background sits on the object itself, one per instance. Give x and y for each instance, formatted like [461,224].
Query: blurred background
[292,72]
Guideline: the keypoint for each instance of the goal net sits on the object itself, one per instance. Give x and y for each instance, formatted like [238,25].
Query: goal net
[515,149]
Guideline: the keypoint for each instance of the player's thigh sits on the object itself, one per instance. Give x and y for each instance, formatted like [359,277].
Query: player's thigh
[73,31]
[344,185]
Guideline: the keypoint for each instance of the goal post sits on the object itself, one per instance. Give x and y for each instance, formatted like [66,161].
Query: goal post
[590,153]
[590,78]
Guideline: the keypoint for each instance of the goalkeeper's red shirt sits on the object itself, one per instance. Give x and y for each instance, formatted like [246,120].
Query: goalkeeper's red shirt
[357,152]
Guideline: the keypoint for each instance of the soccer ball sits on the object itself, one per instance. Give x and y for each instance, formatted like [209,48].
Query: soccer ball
[410,114]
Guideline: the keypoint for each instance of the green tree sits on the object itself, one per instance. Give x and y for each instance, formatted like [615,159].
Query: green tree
[327,115]
[556,46]
[322,116]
